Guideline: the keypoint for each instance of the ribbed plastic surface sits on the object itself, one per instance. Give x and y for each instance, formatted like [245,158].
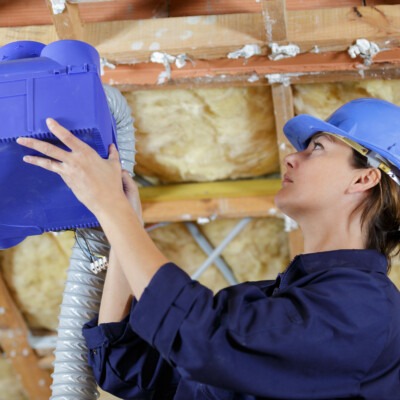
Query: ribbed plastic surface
[60,80]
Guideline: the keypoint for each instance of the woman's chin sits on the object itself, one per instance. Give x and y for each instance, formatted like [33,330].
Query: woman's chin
[285,204]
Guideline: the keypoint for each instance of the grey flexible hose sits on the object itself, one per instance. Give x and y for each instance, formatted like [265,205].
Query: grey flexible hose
[72,377]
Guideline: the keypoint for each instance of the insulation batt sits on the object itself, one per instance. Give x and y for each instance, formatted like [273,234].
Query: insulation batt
[10,387]
[204,134]
[35,271]
[260,250]
[321,100]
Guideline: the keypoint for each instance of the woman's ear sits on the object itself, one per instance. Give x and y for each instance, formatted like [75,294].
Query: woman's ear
[364,179]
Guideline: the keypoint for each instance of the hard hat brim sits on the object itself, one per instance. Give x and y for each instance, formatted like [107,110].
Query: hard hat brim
[301,128]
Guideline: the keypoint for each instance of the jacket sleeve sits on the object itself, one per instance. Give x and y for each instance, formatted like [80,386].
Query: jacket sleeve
[125,365]
[248,340]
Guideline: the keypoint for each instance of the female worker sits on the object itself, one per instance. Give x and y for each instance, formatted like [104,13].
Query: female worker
[327,328]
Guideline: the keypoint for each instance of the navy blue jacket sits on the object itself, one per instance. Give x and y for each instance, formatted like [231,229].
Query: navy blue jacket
[327,328]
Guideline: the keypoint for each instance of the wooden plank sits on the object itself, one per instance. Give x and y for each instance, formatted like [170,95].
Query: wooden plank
[44,34]
[34,12]
[215,36]
[184,8]
[275,21]
[68,24]
[123,10]
[13,340]
[284,110]
[191,201]
[380,2]
[210,190]
[318,4]
[192,210]
[209,37]
[199,37]
[305,68]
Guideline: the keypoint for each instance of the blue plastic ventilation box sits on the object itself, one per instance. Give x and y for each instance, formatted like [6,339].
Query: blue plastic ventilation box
[62,81]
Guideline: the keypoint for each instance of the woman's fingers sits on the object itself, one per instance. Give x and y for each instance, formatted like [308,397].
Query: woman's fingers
[46,163]
[65,136]
[45,148]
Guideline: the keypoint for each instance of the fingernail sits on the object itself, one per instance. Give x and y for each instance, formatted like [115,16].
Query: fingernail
[26,158]
[50,122]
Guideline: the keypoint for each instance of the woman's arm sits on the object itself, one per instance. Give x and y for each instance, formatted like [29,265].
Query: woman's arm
[97,183]
[117,296]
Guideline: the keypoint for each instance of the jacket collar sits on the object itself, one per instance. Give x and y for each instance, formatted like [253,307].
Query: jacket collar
[367,260]
[304,264]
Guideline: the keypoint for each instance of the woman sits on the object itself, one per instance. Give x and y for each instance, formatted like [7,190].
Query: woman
[327,328]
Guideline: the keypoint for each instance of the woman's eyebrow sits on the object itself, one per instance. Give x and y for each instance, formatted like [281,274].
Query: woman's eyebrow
[322,134]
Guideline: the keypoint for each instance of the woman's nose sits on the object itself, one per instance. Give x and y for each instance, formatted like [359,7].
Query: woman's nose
[290,160]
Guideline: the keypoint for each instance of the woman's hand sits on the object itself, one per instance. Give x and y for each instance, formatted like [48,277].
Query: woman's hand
[95,181]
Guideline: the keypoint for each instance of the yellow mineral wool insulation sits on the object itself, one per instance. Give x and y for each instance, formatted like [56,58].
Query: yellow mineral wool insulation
[395,271]
[178,245]
[260,251]
[10,386]
[321,100]
[35,270]
[204,134]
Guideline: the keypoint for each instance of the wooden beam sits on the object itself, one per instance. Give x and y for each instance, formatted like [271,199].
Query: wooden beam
[34,12]
[192,210]
[202,37]
[282,97]
[283,110]
[13,340]
[132,42]
[189,202]
[68,23]
[305,68]
[211,37]
[318,4]
[274,15]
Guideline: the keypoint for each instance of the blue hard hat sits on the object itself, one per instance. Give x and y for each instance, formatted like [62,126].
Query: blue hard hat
[372,123]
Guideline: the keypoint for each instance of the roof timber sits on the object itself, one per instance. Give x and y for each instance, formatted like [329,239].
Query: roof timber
[304,68]
[212,37]
[34,12]
[227,199]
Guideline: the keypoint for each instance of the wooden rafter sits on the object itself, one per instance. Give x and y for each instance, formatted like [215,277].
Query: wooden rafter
[282,98]
[191,201]
[275,21]
[68,24]
[128,42]
[305,68]
[34,12]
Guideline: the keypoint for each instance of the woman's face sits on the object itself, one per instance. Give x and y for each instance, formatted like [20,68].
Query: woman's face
[316,179]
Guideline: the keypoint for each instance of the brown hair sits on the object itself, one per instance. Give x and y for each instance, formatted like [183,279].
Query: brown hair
[381,213]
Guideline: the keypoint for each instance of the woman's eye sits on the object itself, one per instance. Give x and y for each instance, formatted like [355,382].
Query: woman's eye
[318,146]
